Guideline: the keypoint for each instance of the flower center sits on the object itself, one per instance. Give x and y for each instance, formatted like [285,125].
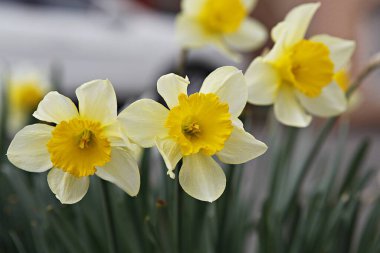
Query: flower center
[199,123]
[191,129]
[307,66]
[26,96]
[222,16]
[78,146]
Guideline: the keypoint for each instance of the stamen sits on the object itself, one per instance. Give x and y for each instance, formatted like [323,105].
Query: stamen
[85,139]
[193,129]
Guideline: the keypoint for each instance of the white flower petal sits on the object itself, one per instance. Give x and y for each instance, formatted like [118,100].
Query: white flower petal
[66,187]
[237,123]
[116,135]
[118,138]
[192,7]
[122,170]
[143,121]
[331,102]
[229,84]
[28,150]
[170,86]
[251,35]
[241,147]
[340,50]
[296,23]
[171,153]
[97,101]
[277,50]
[56,108]
[263,82]
[288,110]
[190,33]
[202,178]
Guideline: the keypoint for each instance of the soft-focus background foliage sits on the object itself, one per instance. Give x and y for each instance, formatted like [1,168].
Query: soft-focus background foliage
[293,199]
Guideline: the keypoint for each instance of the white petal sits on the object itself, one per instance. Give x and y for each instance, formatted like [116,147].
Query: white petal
[202,178]
[28,150]
[251,35]
[97,101]
[277,50]
[143,121]
[263,82]
[241,147]
[118,138]
[190,33]
[171,153]
[331,102]
[296,23]
[66,187]
[237,123]
[288,110]
[340,50]
[55,108]
[192,7]
[122,170]
[170,86]
[116,135]
[229,84]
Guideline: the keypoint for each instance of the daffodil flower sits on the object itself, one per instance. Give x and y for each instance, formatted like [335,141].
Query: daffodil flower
[80,144]
[196,127]
[25,89]
[223,23]
[297,75]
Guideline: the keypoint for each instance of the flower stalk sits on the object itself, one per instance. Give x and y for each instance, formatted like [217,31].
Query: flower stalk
[182,62]
[109,218]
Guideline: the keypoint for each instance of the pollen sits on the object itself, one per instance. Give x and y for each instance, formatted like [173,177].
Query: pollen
[200,123]
[78,146]
[222,16]
[307,67]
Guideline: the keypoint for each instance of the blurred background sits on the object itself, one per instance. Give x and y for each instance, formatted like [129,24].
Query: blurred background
[64,43]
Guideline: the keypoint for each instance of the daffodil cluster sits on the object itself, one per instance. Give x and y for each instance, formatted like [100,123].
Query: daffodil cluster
[94,140]
[301,77]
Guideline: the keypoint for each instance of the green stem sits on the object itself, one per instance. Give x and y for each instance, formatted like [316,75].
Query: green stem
[3,122]
[110,222]
[224,203]
[179,217]
[373,64]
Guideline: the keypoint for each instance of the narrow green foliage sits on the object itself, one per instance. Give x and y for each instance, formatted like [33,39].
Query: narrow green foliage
[313,202]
